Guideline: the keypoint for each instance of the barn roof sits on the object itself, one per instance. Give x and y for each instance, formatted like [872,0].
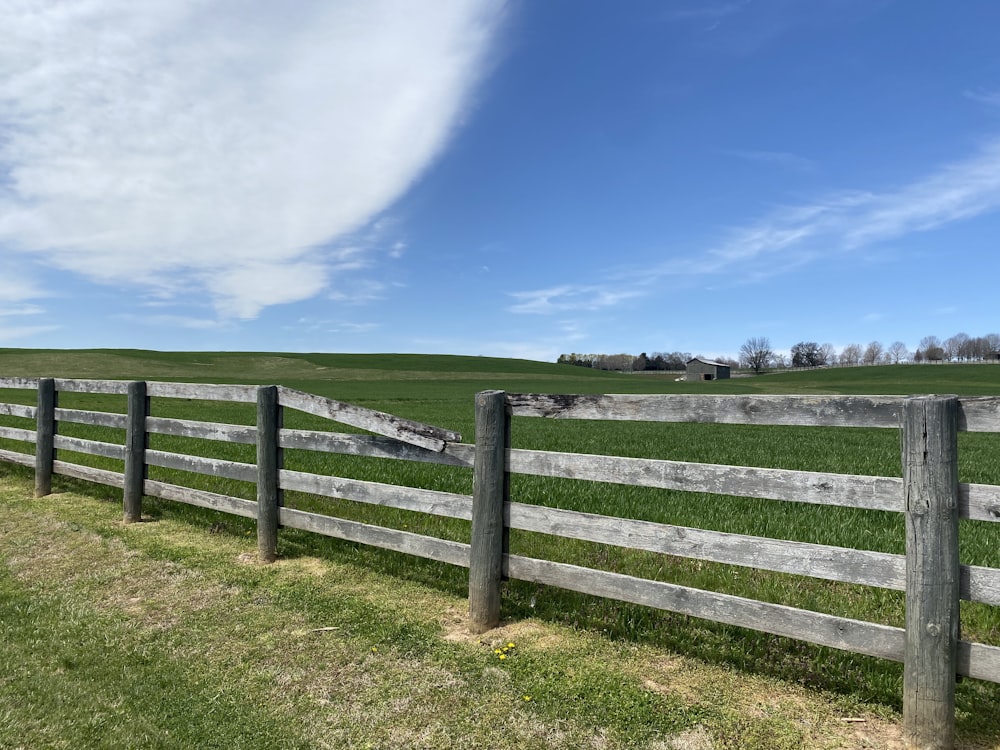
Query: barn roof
[707,362]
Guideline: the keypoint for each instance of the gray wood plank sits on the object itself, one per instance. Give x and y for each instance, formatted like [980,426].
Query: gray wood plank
[980,414]
[214,467]
[214,501]
[89,474]
[18,410]
[815,627]
[229,433]
[979,661]
[24,459]
[979,502]
[433,502]
[246,394]
[90,447]
[874,493]
[406,542]
[97,418]
[815,411]
[377,446]
[16,433]
[814,560]
[980,584]
[406,430]
[14,383]
[92,386]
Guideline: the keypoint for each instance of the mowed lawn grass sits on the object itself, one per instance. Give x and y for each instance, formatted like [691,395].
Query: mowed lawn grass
[439,390]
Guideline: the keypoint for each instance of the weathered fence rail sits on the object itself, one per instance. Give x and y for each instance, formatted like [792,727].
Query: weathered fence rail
[929,495]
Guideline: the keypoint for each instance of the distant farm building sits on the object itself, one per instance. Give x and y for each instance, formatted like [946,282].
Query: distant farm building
[703,369]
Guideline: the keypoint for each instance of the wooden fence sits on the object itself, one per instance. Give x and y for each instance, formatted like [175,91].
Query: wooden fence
[929,494]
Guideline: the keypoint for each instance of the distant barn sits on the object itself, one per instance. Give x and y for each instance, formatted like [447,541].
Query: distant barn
[703,369]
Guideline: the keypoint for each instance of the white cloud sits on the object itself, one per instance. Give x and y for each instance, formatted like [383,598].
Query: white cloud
[794,236]
[222,143]
[572,297]
[12,333]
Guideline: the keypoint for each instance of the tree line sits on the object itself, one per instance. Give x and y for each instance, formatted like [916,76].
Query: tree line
[758,355]
[655,361]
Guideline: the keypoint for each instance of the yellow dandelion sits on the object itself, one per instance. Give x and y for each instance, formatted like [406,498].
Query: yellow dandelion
[374,649]
[502,656]
[527,698]
[510,645]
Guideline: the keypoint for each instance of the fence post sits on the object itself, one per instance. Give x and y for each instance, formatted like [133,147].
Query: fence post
[45,430]
[930,482]
[490,491]
[135,451]
[268,468]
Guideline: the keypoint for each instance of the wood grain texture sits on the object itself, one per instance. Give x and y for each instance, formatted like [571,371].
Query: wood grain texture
[18,410]
[90,447]
[855,491]
[97,418]
[16,433]
[979,661]
[23,459]
[827,630]
[405,430]
[406,542]
[228,433]
[213,467]
[490,494]
[980,502]
[433,502]
[930,477]
[376,446]
[814,560]
[211,500]
[19,384]
[815,411]
[269,496]
[45,430]
[135,451]
[89,474]
[244,394]
[980,414]
[70,385]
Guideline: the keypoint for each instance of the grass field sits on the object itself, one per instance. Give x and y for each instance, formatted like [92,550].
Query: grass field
[439,390]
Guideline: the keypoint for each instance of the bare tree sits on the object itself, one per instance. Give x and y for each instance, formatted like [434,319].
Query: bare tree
[992,345]
[828,354]
[851,355]
[873,353]
[897,352]
[957,347]
[756,353]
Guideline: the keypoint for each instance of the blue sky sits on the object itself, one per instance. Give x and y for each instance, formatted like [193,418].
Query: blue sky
[514,179]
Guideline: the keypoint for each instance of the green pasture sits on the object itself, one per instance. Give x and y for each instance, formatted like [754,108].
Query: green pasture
[439,390]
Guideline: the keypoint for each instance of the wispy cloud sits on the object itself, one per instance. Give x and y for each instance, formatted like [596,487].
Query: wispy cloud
[708,11]
[782,159]
[219,145]
[984,96]
[794,236]
[569,297]
[187,322]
